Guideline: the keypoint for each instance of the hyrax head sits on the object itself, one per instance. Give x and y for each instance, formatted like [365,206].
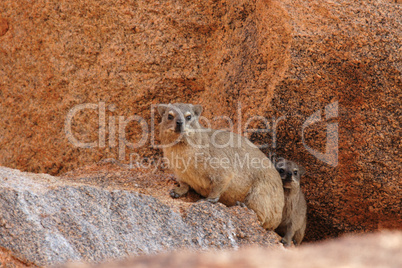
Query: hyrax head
[179,118]
[290,172]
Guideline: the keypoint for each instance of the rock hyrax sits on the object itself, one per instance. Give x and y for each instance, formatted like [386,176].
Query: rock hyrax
[294,217]
[219,165]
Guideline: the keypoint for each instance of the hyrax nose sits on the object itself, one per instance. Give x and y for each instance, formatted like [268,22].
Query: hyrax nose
[288,177]
[179,122]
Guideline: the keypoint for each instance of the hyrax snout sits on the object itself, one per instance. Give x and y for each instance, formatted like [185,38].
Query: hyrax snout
[219,165]
[294,218]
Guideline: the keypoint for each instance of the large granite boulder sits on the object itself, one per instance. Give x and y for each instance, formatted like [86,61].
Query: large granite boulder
[46,220]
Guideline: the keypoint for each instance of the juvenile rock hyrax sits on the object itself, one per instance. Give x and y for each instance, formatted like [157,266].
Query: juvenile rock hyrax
[294,217]
[219,165]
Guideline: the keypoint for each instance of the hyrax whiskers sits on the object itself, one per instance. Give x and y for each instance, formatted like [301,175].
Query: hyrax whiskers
[219,165]
[294,216]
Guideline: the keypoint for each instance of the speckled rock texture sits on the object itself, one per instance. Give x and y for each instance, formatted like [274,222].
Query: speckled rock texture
[237,58]
[7,260]
[47,220]
[350,52]
[380,250]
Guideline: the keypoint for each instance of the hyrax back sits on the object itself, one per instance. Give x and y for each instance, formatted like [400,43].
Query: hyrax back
[294,216]
[219,165]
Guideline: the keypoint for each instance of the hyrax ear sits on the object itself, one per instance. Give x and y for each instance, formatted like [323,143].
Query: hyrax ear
[162,109]
[302,170]
[279,162]
[197,110]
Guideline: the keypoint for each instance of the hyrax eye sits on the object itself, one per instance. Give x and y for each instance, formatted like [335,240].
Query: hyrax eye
[295,172]
[188,117]
[281,171]
[170,117]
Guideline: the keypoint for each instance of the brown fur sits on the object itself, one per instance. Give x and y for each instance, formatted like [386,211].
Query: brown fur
[201,160]
[294,217]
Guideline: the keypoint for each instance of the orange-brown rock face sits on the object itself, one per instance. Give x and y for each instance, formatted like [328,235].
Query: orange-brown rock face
[290,59]
[3,26]
[128,55]
[349,54]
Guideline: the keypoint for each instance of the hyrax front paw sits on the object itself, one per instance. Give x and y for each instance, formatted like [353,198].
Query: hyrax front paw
[241,204]
[285,243]
[174,194]
[178,192]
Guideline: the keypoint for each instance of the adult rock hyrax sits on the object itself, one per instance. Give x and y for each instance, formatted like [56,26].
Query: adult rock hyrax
[219,165]
[294,217]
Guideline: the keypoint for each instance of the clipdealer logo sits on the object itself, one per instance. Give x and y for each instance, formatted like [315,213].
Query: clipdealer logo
[116,130]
